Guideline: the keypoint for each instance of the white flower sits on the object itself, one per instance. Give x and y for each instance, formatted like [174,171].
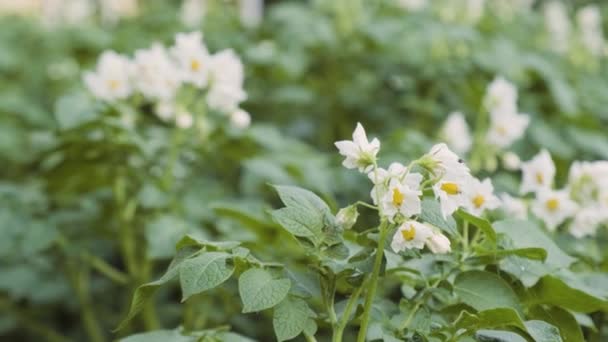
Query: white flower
[155,75]
[589,21]
[479,196]
[514,207]
[456,134]
[587,221]
[400,200]
[183,119]
[511,161]
[360,153]
[413,5]
[411,234]
[192,58]
[381,178]
[111,79]
[251,12]
[557,24]
[450,192]
[501,95]
[240,119]
[227,77]
[506,127]
[192,12]
[165,110]
[438,243]
[553,207]
[474,10]
[538,173]
[587,179]
[443,162]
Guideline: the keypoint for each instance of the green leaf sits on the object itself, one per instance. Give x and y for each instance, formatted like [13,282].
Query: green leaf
[489,319]
[431,213]
[305,214]
[562,319]
[568,292]
[290,318]
[146,291]
[542,331]
[525,234]
[204,272]
[498,336]
[484,290]
[260,291]
[480,223]
[163,233]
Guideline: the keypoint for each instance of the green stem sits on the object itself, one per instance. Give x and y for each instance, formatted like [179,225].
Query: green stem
[106,269]
[90,322]
[418,304]
[309,338]
[369,299]
[350,305]
[465,235]
[367,205]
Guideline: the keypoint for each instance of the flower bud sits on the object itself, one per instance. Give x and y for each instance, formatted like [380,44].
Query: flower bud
[438,244]
[240,119]
[347,217]
[511,161]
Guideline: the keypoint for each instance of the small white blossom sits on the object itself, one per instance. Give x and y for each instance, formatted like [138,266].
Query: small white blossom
[511,161]
[455,132]
[400,200]
[192,58]
[443,162]
[538,173]
[479,196]
[227,77]
[514,207]
[409,235]
[558,25]
[587,221]
[413,5]
[438,243]
[506,127]
[589,21]
[553,207]
[251,12]
[360,153]
[165,110]
[192,12]
[501,96]
[111,79]
[587,180]
[240,119]
[381,178]
[156,76]
[450,191]
[183,119]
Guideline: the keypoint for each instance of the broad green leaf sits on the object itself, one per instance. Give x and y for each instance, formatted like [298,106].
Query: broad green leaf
[525,234]
[297,197]
[484,290]
[163,233]
[204,272]
[290,318]
[567,292]
[260,291]
[193,240]
[498,336]
[300,222]
[542,331]
[431,213]
[146,291]
[480,223]
[159,336]
[490,319]
[562,319]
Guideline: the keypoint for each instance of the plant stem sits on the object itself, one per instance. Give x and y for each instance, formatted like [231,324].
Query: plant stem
[29,323]
[350,305]
[465,235]
[309,338]
[419,303]
[369,299]
[91,325]
[106,269]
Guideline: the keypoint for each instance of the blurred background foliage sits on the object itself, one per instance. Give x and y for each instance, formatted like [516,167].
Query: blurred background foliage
[314,68]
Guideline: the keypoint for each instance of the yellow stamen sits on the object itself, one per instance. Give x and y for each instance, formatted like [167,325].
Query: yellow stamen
[450,188]
[540,179]
[409,234]
[552,204]
[501,130]
[398,197]
[478,201]
[195,65]
[113,84]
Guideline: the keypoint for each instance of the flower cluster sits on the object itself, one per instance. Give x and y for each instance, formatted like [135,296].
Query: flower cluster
[506,124]
[584,199]
[398,190]
[589,23]
[159,74]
